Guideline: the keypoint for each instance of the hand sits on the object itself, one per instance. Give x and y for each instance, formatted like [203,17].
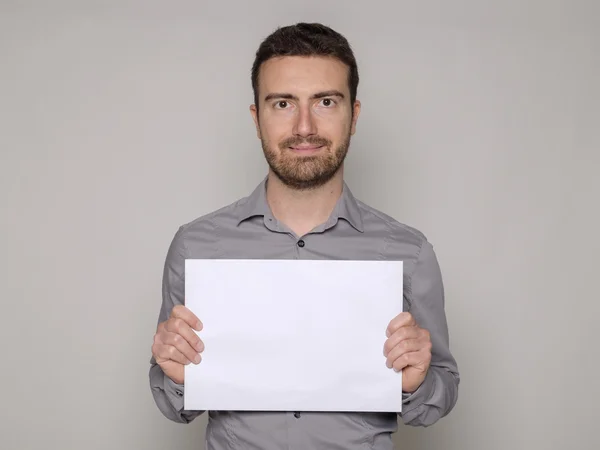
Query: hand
[408,348]
[176,344]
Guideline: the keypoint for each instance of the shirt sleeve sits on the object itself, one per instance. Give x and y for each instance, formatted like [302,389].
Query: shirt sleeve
[167,394]
[438,393]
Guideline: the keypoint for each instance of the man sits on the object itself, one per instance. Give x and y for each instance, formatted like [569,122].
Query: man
[305,110]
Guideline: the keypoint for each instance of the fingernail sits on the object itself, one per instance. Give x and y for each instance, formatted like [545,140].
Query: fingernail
[197,359]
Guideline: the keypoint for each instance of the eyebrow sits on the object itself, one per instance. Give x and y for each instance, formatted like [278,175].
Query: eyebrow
[285,96]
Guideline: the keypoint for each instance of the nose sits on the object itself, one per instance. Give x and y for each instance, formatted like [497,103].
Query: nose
[304,124]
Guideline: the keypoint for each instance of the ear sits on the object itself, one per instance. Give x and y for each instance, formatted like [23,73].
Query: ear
[356,113]
[254,112]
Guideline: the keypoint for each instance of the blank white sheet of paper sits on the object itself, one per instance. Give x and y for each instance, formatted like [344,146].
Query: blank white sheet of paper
[293,335]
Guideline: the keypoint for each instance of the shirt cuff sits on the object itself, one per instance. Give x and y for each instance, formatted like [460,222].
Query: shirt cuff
[418,397]
[174,393]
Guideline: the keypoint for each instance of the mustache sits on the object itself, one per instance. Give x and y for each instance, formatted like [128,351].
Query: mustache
[311,140]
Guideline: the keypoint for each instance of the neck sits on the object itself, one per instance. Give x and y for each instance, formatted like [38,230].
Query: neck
[303,210]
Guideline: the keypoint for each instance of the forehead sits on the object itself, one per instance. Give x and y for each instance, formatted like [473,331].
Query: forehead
[303,74]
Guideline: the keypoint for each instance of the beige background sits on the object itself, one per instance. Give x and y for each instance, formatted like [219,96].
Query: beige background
[119,121]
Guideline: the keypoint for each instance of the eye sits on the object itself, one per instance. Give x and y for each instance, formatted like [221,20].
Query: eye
[327,102]
[281,104]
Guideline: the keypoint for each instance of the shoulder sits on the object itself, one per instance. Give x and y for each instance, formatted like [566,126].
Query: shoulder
[204,229]
[226,215]
[398,231]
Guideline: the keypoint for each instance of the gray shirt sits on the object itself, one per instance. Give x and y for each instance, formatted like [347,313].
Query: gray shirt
[354,231]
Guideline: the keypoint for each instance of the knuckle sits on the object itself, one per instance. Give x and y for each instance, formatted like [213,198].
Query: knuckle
[398,341]
[178,324]
[397,364]
[391,356]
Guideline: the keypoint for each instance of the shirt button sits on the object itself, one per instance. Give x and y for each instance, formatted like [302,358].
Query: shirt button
[300,243]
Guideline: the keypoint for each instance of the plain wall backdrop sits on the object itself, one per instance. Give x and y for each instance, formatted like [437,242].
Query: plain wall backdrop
[119,121]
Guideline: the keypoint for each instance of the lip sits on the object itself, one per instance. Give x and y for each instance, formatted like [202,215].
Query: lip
[307,148]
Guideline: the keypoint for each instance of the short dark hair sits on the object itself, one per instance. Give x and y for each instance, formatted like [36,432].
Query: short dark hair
[306,39]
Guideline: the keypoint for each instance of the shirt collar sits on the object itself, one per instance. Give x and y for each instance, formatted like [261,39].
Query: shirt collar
[346,207]
[255,204]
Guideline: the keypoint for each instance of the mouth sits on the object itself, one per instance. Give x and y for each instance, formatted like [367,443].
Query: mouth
[306,148]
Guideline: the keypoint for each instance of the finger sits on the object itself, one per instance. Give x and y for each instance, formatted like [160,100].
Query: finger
[177,341]
[412,359]
[183,313]
[401,320]
[182,328]
[165,351]
[404,347]
[399,336]
[169,353]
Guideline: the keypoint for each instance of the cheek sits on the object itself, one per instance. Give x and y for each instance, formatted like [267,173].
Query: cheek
[333,130]
[275,129]
[330,121]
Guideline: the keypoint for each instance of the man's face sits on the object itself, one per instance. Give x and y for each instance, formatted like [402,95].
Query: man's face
[304,119]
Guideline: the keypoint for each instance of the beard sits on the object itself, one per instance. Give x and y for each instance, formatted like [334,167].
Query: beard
[305,172]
